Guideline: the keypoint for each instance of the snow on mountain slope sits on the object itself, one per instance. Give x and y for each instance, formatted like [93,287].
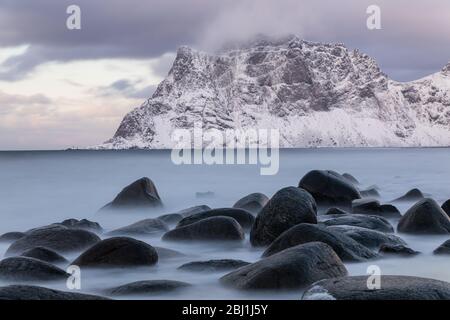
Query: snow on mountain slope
[317,95]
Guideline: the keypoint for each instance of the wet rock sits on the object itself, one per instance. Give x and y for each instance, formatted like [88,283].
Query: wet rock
[443,248]
[22,292]
[295,267]
[411,195]
[329,188]
[373,207]
[29,269]
[392,288]
[170,218]
[140,194]
[214,228]
[11,236]
[345,247]
[118,252]
[350,178]
[253,202]
[288,207]
[213,265]
[58,239]
[193,210]
[371,192]
[369,238]
[245,218]
[44,254]
[142,228]
[164,253]
[336,212]
[400,250]
[446,207]
[83,224]
[148,287]
[363,221]
[425,217]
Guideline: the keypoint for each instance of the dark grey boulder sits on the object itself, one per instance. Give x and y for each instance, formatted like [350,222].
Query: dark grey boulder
[288,207]
[363,221]
[245,218]
[345,247]
[425,217]
[140,194]
[213,265]
[392,288]
[59,239]
[193,210]
[83,224]
[147,287]
[117,253]
[29,269]
[446,207]
[373,207]
[174,218]
[22,292]
[165,253]
[369,238]
[371,192]
[44,254]
[336,212]
[141,228]
[295,267]
[350,178]
[214,228]
[253,202]
[329,188]
[411,195]
[11,236]
[398,250]
[443,248]
[170,218]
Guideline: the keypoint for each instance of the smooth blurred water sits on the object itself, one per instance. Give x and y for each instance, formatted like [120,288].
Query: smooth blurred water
[38,188]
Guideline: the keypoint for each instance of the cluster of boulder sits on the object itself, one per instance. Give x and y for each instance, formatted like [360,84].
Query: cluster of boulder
[307,233]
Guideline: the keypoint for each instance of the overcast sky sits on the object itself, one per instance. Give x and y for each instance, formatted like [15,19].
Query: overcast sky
[62,88]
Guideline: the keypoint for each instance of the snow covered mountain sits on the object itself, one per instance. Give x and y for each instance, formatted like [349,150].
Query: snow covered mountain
[315,94]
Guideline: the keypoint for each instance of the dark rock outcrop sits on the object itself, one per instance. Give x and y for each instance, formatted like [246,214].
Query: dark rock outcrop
[83,224]
[11,236]
[44,254]
[213,265]
[350,178]
[443,248]
[253,202]
[288,207]
[147,287]
[363,221]
[22,292]
[373,207]
[411,195]
[400,250]
[29,269]
[141,228]
[446,207]
[165,253]
[245,218]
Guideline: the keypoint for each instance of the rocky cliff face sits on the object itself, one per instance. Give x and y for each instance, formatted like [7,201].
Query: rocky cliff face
[315,94]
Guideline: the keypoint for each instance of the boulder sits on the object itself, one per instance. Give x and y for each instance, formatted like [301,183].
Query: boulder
[329,188]
[22,292]
[345,247]
[148,287]
[446,207]
[164,253]
[335,212]
[371,192]
[213,265]
[401,250]
[411,195]
[140,194]
[118,252]
[11,236]
[363,221]
[425,217]
[369,238]
[83,224]
[373,207]
[253,202]
[193,210]
[44,254]
[29,269]
[350,178]
[295,267]
[288,207]
[392,288]
[58,239]
[443,248]
[142,228]
[214,228]
[245,218]
[170,218]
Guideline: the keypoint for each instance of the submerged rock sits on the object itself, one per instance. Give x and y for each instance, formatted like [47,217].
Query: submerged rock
[392,288]
[288,207]
[373,207]
[44,254]
[387,249]
[245,218]
[83,224]
[118,252]
[371,192]
[142,228]
[329,188]
[214,228]
[443,248]
[345,247]
[58,239]
[253,202]
[29,269]
[140,194]
[164,253]
[213,265]
[425,217]
[11,236]
[363,221]
[336,212]
[193,210]
[22,292]
[295,267]
[411,195]
[170,218]
[148,287]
